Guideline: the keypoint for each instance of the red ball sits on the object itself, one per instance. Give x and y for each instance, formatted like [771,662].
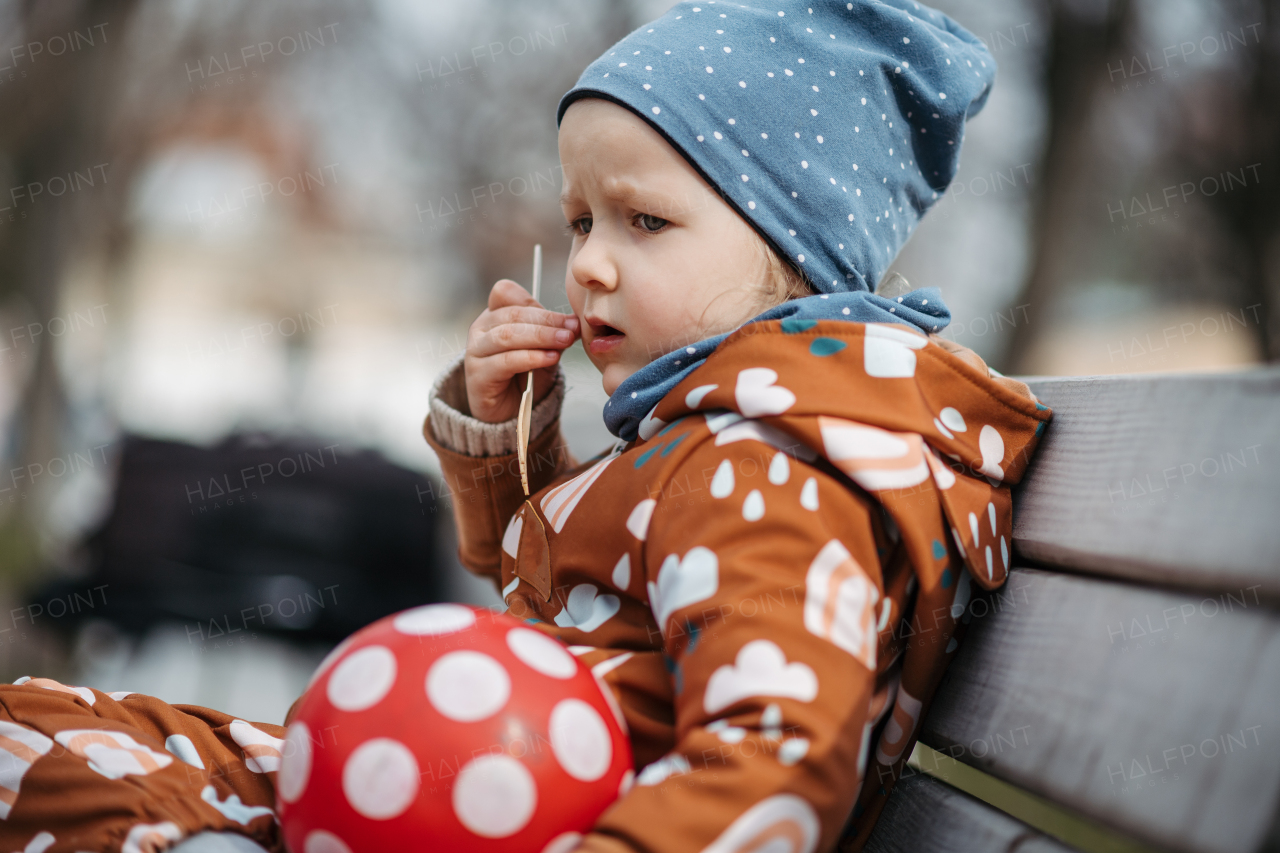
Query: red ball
[448,727]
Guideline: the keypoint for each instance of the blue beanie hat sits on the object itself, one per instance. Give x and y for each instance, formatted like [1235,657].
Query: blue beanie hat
[830,126]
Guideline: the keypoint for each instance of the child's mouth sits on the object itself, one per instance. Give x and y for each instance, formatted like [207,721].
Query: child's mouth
[604,338]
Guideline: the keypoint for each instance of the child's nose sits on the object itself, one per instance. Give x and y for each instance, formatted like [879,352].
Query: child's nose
[593,267]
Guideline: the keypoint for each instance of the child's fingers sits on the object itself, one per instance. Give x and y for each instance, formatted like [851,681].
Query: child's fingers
[506,293]
[505,365]
[512,337]
[526,315]
[519,336]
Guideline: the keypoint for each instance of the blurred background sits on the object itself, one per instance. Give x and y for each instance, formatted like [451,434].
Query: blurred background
[239,240]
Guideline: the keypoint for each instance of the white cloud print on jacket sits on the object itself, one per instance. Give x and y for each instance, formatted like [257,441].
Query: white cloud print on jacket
[760,669]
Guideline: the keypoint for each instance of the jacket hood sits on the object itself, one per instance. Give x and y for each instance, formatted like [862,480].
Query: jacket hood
[906,419]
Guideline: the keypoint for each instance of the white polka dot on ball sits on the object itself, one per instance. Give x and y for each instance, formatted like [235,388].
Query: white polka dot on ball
[543,653]
[295,766]
[434,619]
[580,740]
[467,686]
[362,679]
[495,796]
[563,843]
[380,778]
[329,659]
[322,841]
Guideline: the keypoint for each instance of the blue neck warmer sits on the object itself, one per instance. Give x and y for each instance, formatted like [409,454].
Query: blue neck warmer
[642,390]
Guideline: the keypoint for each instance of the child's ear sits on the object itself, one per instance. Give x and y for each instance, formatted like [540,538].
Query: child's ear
[892,285]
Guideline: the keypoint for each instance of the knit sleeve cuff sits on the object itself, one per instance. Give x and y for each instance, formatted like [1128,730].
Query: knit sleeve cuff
[455,428]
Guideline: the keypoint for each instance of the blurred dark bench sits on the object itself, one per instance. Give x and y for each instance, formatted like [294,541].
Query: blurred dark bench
[302,539]
[1130,670]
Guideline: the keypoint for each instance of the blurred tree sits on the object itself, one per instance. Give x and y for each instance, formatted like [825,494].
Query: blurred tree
[108,108]
[1128,120]
[1227,122]
[1083,35]
[63,108]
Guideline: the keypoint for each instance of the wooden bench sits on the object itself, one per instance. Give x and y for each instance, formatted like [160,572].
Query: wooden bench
[1129,672]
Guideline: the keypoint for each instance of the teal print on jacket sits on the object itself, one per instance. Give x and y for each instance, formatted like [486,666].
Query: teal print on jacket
[644,457]
[677,674]
[666,429]
[795,325]
[694,633]
[826,346]
[672,444]
[665,446]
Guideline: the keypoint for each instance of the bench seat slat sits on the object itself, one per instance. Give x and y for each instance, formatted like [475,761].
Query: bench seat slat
[1172,480]
[1153,712]
[928,816]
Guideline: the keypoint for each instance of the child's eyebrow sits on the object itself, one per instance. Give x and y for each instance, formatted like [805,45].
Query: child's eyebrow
[619,189]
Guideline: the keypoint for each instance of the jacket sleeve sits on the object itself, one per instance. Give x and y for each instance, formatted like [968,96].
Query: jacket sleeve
[481,468]
[766,592]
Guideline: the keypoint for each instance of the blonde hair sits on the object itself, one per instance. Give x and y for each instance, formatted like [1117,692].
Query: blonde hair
[783,282]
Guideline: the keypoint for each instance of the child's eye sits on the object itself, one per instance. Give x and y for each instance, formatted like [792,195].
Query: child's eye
[581,225]
[651,223]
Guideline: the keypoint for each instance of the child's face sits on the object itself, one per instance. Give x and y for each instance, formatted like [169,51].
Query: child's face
[659,260]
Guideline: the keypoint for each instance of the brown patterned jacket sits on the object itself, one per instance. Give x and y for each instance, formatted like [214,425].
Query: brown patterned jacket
[771,578]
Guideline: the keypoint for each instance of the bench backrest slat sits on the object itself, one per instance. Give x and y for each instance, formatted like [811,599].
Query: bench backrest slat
[1173,480]
[1150,711]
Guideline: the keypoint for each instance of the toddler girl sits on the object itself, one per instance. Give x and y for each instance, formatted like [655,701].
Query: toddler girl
[769,565]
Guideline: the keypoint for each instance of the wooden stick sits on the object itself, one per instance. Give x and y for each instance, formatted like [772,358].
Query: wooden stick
[526,399]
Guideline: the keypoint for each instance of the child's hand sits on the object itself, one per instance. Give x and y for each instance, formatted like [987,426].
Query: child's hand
[513,336]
